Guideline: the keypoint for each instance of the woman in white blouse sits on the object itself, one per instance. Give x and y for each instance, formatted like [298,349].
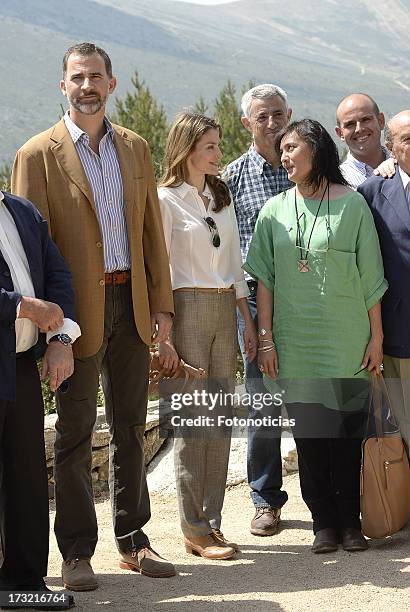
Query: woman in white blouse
[202,239]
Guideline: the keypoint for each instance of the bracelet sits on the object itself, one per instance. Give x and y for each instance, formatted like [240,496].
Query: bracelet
[267,349]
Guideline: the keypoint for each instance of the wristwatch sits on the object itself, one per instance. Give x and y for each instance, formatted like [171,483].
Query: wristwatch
[63,338]
[262,332]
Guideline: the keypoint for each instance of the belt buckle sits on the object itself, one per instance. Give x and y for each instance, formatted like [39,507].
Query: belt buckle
[220,290]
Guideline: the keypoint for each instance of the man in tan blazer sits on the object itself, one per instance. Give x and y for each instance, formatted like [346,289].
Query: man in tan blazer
[94,183]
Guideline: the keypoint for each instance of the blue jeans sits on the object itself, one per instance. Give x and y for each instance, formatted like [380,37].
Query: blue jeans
[264,458]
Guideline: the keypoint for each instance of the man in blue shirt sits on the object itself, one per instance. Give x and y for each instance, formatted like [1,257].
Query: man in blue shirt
[252,179]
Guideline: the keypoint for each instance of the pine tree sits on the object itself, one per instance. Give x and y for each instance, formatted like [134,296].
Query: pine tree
[140,112]
[235,139]
[201,106]
[5,177]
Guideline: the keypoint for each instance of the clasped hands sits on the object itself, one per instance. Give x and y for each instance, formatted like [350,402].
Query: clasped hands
[58,361]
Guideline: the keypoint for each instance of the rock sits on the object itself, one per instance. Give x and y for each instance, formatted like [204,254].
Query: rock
[291,461]
[103,472]
[101,437]
[152,442]
[99,456]
[49,438]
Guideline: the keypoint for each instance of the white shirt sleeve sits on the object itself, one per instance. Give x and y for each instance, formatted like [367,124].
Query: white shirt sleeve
[241,286]
[166,214]
[69,327]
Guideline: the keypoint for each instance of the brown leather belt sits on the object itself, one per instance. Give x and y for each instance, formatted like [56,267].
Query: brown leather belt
[119,277]
[207,289]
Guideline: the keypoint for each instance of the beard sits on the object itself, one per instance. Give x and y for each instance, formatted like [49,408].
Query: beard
[87,108]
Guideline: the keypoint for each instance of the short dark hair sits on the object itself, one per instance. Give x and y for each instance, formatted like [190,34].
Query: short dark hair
[325,157]
[84,49]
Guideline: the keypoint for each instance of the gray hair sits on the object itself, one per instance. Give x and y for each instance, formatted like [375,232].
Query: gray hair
[266,90]
[388,135]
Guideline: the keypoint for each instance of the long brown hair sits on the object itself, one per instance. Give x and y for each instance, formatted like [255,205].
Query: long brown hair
[185,132]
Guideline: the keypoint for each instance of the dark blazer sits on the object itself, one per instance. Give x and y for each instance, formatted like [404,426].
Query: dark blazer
[51,280]
[391,213]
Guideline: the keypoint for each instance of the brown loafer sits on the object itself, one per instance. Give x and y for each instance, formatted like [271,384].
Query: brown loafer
[325,541]
[207,547]
[353,540]
[220,539]
[78,575]
[266,521]
[147,562]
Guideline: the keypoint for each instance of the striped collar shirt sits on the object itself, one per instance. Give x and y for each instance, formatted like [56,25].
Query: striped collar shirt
[252,181]
[104,175]
[356,172]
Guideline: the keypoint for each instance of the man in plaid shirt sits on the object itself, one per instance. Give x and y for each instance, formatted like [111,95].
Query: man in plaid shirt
[252,179]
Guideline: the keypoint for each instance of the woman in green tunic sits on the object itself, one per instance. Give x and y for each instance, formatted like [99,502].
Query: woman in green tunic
[316,256]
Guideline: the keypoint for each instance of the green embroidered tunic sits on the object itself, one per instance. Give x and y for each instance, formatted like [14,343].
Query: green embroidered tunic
[320,319]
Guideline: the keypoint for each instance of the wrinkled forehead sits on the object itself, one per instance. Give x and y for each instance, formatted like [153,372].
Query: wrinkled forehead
[267,105]
[400,128]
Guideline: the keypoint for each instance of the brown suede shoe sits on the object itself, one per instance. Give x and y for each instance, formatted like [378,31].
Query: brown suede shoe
[147,562]
[325,541]
[220,539]
[78,575]
[353,540]
[266,521]
[207,547]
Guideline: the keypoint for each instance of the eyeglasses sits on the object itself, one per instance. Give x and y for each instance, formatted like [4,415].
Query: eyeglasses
[216,239]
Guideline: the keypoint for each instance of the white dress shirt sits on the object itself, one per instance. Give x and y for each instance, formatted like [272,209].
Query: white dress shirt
[13,252]
[406,184]
[194,261]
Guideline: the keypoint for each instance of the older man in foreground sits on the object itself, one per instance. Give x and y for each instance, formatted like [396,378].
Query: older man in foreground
[389,201]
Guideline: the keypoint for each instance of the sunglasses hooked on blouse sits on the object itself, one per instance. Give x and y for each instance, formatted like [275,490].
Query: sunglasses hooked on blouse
[216,239]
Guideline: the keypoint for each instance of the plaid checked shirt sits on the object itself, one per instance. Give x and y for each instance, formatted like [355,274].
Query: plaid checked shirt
[252,181]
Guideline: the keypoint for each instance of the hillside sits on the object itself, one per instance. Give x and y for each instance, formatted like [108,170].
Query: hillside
[317,50]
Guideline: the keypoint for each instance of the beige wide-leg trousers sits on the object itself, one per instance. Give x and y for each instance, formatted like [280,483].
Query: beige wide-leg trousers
[397,374]
[204,335]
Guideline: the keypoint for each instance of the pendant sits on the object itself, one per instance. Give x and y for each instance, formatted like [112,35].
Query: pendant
[303,265]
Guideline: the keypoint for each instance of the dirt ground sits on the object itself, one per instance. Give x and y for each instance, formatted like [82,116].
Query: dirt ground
[272,573]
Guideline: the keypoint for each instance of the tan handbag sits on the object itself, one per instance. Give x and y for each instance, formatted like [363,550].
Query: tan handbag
[385,472]
[184,372]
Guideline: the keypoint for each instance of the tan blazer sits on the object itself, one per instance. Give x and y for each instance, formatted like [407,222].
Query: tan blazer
[48,171]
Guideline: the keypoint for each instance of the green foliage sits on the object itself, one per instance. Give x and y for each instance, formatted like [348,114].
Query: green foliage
[201,106]
[140,112]
[235,139]
[49,396]
[5,177]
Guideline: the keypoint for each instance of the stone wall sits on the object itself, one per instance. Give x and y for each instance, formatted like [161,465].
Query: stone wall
[100,441]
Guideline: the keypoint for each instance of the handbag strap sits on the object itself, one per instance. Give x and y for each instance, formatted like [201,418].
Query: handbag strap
[378,393]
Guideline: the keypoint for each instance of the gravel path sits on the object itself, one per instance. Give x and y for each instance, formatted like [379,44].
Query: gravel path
[273,573]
